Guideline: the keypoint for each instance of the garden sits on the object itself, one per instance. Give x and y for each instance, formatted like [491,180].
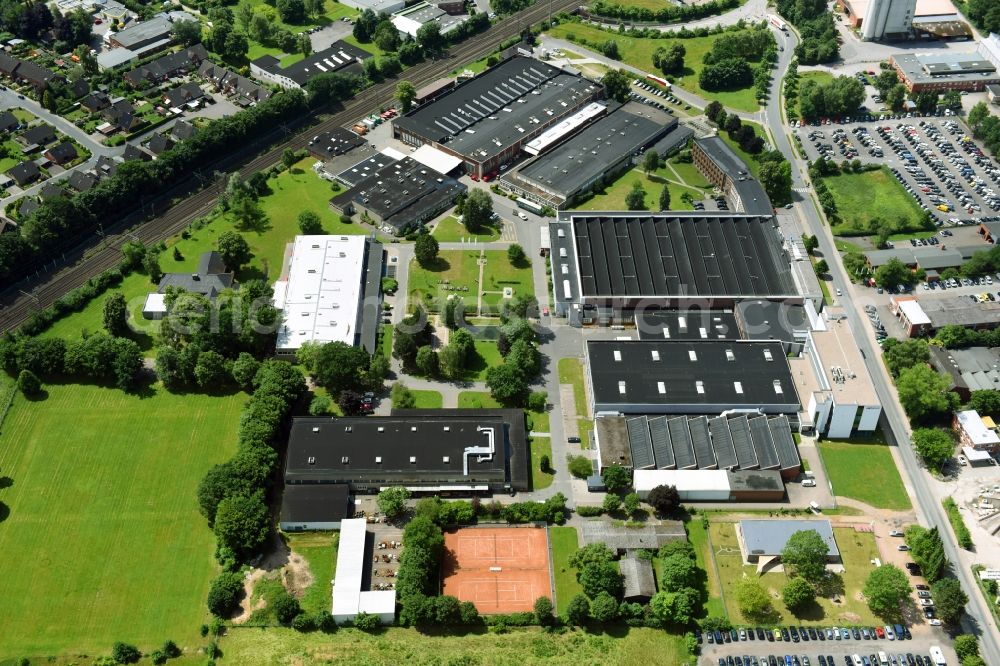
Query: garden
[457,273]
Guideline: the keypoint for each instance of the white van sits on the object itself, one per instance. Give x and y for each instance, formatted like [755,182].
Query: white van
[883,658]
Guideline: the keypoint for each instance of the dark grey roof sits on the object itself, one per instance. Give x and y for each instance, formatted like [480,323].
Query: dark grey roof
[63,152]
[371,304]
[576,163]
[771,320]
[336,142]
[702,441]
[81,181]
[167,66]
[144,33]
[641,446]
[742,442]
[40,135]
[767,457]
[359,171]
[755,479]
[471,118]
[663,450]
[722,443]
[632,538]
[731,372]
[680,440]
[672,254]
[972,369]
[28,206]
[209,279]
[8,121]
[51,191]
[639,580]
[340,56]
[96,101]
[211,263]
[752,195]
[182,94]
[182,130]
[686,325]
[316,503]
[159,143]
[768,537]
[24,172]
[784,443]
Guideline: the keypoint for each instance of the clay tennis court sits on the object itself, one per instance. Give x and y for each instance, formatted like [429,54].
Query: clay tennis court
[500,570]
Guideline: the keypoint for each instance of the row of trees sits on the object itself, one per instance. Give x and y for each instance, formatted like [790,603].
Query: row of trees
[665,14]
[985,126]
[816,27]
[927,550]
[97,357]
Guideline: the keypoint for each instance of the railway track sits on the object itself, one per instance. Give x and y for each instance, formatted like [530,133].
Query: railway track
[98,257]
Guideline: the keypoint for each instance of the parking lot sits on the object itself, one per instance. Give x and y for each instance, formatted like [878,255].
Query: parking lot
[758,649]
[933,158]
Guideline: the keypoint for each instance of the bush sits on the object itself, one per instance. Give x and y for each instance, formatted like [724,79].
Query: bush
[286,607]
[962,534]
[123,653]
[224,593]
[580,466]
[367,622]
[303,623]
[589,511]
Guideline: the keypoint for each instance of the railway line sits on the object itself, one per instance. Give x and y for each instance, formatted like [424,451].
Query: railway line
[98,257]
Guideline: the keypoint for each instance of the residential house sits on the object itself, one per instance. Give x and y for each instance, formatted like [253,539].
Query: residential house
[37,137]
[24,173]
[8,123]
[166,67]
[210,279]
[79,88]
[95,101]
[182,131]
[81,181]
[159,144]
[122,115]
[28,207]
[244,91]
[134,152]
[182,95]
[106,166]
[25,71]
[63,153]
[51,191]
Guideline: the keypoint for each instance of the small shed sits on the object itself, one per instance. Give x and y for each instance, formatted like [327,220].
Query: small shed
[640,586]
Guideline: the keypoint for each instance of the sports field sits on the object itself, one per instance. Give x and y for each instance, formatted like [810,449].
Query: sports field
[103,541]
[501,570]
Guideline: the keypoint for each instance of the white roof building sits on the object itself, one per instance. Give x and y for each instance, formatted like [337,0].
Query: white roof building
[691,484]
[348,599]
[974,432]
[321,296]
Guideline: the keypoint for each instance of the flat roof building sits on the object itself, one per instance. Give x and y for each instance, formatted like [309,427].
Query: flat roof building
[942,311]
[686,325]
[597,153]
[605,265]
[349,597]
[329,291]
[713,485]
[488,119]
[327,145]
[409,21]
[340,57]
[689,377]
[427,451]
[974,433]
[724,169]
[761,541]
[940,72]
[377,6]
[146,37]
[314,507]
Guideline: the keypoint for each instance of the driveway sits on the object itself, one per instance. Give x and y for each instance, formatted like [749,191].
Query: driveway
[325,37]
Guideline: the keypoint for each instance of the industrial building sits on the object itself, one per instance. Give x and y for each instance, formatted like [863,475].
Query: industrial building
[399,196]
[340,57]
[689,377]
[788,323]
[409,21]
[456,451]
[607,265]
[315,507]
[487,120]
[147,37]
[970,369]
[608,146]
[903,19]
[761,541]
[377,6]
[329,290]
[925,315]
[354,552]
[978,433]
[713,485]
[737,441]
[940,72]
[327,145]
[687,325]
[724,169]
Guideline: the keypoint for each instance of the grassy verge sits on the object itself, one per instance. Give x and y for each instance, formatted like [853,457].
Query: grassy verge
[540,446]
[477,400]
[962,534]
[104,540]
[698,536]
[564,541]
[450,230]
[571,372]
[865,472]
[320,550]
[862,198]
[987,595]
[427,399]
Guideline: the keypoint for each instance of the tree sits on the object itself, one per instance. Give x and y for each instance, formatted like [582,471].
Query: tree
[392,501]
[286,607]
[405,93]
[600,577]
[340,366]
[507,384]
[665,198]
[319,406]
[677,572]
[387,36]
[806,552]
[477,210]
[515,254]
[897,95]
[678,608]
[753,600]
[427,361]
[924,393]
[151,264]
[934,446]
[885,588]
[289,158]
[650,161]
[578,610]
[617,478]
[455,357]
[210,371]
[966,645]
[310,223]
[811,243]
[116,315]
[28,383]
[224,593]
[905,354]
[611,503]
[402,397]
[986,402]
[977,114]
[242,523]
[604,608]
[544,611]
[798,594]
[187,33]
[776,177]
[123,653]
[350,403]
[245,368]
[430,38]
[974,660]
[365,25]
[663,499]
[234,249]
[291,11]
[592,553]
[631,503]
[950,600]
[670,60]
[821,267]
[893,273]
[636,198]
[426,250]
[617,84]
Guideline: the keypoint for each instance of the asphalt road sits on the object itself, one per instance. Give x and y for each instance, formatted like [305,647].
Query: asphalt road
[978,620]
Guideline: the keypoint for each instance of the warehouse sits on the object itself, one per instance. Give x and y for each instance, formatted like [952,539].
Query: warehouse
[925,315]
[354,551]
[939,72]
[713,485]
[687,325]
[689,377]
[761,541]
[733,442]
[610,145]
[428,451]
[476,120]
[331,144]
[399,196]
[970,369]
[340,57]
[409,21]
[721,166]
[606,265]
[329,290]
[315,507]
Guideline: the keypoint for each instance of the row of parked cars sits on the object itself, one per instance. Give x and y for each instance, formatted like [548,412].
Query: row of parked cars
[880,333]
[653,90]
[864,116]
[880,659]
[796,634]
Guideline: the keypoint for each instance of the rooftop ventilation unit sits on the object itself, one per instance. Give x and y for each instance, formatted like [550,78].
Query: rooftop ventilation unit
[413,460]
[345,460]
[312,460]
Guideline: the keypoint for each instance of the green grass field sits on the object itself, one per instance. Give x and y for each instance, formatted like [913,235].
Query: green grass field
[857,550]
[540,446]
[564,541]
[477,400]
[638,52]
[459,271]
[863,197]
[394,646]
[427,399]
[687,173]
[698,536]
[450,230]
[614,194]
[865,472]
[104,541]
[320,550]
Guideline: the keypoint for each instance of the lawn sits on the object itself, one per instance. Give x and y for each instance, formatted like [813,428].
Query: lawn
[396,645]
[571,372]
[857,550]
[134,287]
[457,271]
[320,550]
[385,340]
[427,399]
[863,197]
[477,400]
[698,536]
[638,52]
[688,173]
[614,194]
[865,472]
[564,541]
[104,541]
[540,446]
[450,230]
